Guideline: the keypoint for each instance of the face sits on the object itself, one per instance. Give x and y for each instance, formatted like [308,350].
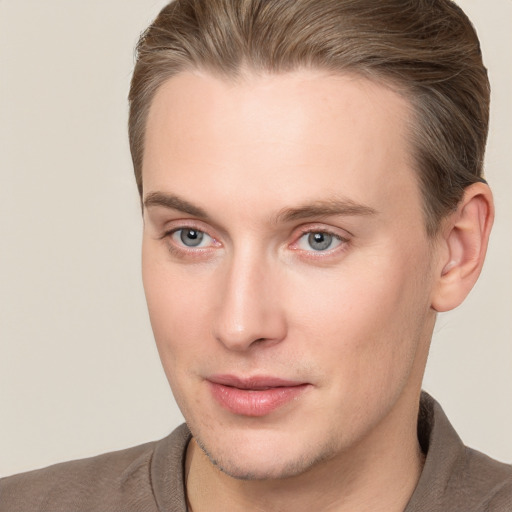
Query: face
[285,263]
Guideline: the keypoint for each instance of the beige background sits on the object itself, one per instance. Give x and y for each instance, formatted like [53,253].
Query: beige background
[79,374]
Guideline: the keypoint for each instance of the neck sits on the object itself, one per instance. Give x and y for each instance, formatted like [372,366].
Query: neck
[378,474]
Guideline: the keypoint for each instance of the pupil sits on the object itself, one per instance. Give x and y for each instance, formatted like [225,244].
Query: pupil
[319,241]
[191,237]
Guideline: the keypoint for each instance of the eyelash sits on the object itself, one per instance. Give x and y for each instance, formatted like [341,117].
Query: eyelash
[184,251]
[319,253]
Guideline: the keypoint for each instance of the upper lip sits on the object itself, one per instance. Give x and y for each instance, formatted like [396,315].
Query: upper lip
[257,382]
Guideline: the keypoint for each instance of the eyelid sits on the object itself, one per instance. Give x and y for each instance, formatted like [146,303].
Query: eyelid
[182,250]
[317,228]
[176,224]
[340,233]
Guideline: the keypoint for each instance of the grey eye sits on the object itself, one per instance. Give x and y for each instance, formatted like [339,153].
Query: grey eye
[320,241]
[191,237]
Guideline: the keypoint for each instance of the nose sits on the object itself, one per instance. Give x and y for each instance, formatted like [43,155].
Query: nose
[249,312]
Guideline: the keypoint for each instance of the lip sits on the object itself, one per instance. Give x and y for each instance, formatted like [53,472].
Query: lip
[254,396]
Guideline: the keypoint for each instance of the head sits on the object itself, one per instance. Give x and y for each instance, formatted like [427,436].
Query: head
[309,172]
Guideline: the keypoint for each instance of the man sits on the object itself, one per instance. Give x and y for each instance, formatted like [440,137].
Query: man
[310,174]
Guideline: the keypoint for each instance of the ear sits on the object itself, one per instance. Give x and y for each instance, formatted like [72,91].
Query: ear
[462,245]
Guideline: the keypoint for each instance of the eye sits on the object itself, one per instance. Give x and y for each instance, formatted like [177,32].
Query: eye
[319,241]
[190,237]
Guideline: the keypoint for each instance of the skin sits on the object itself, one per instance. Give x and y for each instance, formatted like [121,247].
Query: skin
[353,321]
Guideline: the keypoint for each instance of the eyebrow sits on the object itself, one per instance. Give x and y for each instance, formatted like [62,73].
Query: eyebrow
[175,203]
[325,208]
[322,208]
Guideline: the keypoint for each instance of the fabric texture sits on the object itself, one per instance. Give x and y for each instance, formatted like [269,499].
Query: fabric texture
[149,478]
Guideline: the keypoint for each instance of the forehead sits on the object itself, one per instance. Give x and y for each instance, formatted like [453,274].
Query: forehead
[275,139]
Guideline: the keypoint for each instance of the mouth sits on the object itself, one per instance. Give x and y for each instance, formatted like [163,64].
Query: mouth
[254,396]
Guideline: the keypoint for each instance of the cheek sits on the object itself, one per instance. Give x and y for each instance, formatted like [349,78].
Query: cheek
[365,319]
[177,305]
[177,319]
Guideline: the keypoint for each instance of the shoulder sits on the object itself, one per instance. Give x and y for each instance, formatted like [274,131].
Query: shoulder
[489,479]
[101,479]
[455,477]
[115,481]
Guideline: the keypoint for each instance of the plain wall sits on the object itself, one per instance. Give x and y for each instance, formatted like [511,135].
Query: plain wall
[79,373]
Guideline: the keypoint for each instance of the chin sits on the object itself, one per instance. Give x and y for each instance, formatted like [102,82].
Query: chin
[264,460]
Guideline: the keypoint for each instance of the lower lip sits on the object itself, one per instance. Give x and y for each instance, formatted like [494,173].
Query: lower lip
[249,402]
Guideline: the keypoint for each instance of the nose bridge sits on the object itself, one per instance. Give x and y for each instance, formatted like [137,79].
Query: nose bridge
[248,309]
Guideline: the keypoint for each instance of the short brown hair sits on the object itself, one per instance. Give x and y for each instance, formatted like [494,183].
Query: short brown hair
[427,49]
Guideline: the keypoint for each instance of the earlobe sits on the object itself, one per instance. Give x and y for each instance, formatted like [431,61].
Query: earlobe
[463,244]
